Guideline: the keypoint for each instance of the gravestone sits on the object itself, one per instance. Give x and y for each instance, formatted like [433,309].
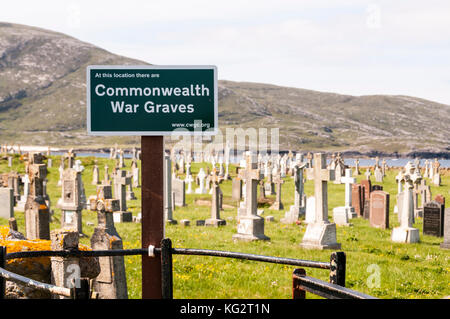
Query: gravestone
[111,283]
[168,196]
[436,178]
[356,172]
[446,243]
[406,233]
[262,191]
[178,188]
[379,209]
[321,234]
[367,174]
[121,180]
[121,159]
[63,269]
[106,179]
[425,193]
[358,199]
[278,205]
[20,206]
[6,202]
[37,214]
[135,173]
[299,207]
[70,203]
[215,219]
[189,179]
[70,156]
[60,170]
[433,219]
[236,189]
[80,168]
[338,170]
[95,174]
[378,175]
[202,181]
[130,194]
[367,185]
[398,178]
[13,182]
[250,226]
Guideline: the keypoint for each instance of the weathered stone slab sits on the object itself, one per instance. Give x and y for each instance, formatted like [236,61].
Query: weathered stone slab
[379,209]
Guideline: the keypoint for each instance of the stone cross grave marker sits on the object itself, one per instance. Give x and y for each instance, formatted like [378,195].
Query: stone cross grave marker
[202,178]
[378,175]
[406,233]
[250,226]
[130,194]
[111,283]
[215,219]
[356,172]
[121,180]
[189,179]
[321,234]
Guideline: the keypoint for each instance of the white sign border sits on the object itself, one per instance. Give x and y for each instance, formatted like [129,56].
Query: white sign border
[151,133]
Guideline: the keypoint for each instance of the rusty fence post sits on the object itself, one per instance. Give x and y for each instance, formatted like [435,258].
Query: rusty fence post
[297,291]
[2,264]
[166,269]
[337,270]
[82,292]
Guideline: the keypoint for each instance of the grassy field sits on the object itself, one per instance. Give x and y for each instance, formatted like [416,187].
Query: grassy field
[419,270]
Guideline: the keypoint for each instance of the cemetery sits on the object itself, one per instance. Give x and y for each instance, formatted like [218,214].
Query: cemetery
[391,223]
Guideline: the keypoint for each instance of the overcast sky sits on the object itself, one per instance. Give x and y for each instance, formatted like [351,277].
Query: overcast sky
[343,46]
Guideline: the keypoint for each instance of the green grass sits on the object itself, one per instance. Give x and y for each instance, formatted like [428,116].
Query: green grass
[419,270]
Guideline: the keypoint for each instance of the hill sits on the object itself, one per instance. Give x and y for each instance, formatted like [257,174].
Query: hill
[42,102]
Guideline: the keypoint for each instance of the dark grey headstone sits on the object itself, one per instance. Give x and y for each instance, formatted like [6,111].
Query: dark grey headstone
[433,219]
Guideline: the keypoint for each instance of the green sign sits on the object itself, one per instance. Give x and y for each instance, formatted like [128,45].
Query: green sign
[151,100]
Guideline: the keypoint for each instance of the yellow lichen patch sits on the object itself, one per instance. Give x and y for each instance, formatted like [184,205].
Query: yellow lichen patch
[4,232]
[15,245]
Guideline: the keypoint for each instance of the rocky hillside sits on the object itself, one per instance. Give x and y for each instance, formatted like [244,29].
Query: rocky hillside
[42,101]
